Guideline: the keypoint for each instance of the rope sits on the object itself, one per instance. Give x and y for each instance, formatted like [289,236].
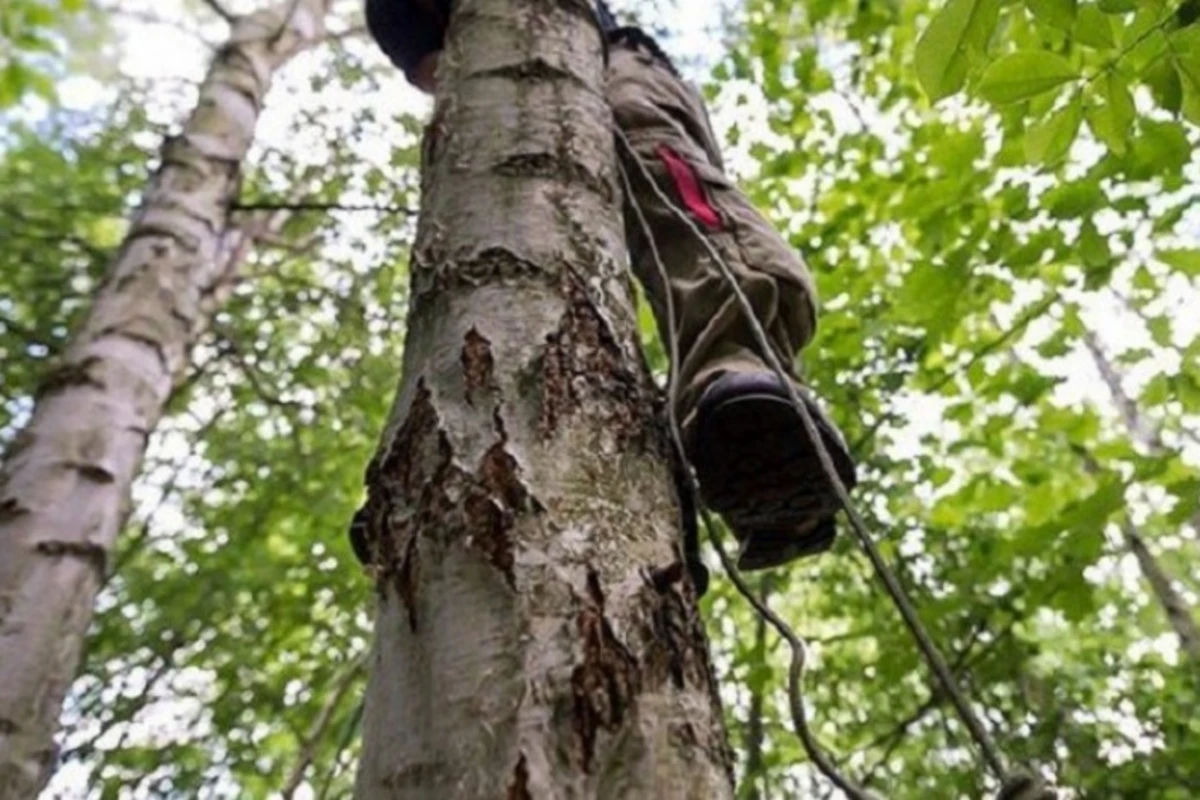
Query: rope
[991,755]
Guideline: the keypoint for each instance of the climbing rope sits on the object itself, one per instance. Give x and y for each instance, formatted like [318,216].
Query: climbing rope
[1016,784]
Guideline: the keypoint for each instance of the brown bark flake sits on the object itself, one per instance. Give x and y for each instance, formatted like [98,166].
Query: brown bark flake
[519,788]
[674,638]
[435,272]
[556,167]
[68,375]
[478,364]
[417,489]
[584,368]
[11,509]
[407,578]
[492,508]
[409,475]
[605,686]
[93,554]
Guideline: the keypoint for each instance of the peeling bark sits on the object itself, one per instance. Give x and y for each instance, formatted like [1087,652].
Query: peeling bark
[537,633]
[64,489]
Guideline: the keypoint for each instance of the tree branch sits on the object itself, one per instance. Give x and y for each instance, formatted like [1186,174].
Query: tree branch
[221,11]
[1135,421]
[284,205]
[1179,613]
[320,726]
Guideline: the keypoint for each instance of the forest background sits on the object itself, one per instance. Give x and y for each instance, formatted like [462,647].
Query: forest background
[1000,203]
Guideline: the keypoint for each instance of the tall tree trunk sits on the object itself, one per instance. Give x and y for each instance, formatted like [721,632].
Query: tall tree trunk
[64,491]
[1179,614]
[537,634]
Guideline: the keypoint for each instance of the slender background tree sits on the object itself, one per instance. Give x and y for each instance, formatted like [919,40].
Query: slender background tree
[67,476]
[966,248]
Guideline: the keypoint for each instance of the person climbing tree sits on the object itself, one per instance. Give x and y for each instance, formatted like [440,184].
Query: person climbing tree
[754,461]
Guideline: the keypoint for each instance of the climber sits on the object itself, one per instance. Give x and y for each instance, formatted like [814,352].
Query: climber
[755,463]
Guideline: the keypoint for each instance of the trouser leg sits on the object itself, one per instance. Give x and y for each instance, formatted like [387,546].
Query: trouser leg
[665,122]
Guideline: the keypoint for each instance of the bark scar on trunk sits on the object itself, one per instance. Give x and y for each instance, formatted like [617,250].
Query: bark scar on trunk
[560,167]
[407,578]
[69,375]
[95,555]
[585,369]
[402,487]
[11,508]
[606,685]
[519,788]
[675,637]
[535,69]
[433,273]
[478,364]
[492,508]
[417,490]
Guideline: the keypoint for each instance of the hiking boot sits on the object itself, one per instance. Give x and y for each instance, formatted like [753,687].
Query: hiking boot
[759,469]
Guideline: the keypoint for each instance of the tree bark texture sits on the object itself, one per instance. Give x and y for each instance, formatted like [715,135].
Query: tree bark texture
[65,485]
[537,634]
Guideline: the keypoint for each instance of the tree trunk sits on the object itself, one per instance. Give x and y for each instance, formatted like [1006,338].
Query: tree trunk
[1174,606]
[537,633]
[65,486]
[1179,613]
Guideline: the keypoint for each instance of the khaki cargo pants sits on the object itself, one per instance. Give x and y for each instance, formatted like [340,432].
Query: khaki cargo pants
[667,125]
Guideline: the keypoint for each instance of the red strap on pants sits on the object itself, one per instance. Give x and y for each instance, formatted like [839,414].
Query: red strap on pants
[687,183]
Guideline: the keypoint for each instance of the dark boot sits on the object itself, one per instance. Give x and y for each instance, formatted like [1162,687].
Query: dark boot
[760,470]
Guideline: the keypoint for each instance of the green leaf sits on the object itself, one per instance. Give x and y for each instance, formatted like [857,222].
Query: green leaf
[1094,248]
[930,296]
[14,78]
[943,51]
[1059,13]
[1094,28]
[1160,331]
[1050,141]
[1093,513]
[1188,66]
[1165,84]
[1113,120]
[1186,261]
[1161,149]
[1074,199]
[1020,76]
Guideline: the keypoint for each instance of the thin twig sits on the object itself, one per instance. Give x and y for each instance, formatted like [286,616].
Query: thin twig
[284,205]
[221,11]
[348,731]
[308,751]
